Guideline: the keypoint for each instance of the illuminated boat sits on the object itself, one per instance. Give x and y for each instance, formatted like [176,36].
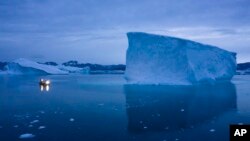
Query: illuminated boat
[44,82]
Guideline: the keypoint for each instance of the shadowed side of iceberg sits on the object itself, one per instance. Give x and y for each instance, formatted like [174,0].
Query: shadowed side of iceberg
[156,59]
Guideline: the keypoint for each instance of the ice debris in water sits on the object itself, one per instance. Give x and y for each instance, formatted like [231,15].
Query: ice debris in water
[34,121]
[41,127]
[71,119]
[212,130]
[26,136]
[42,112]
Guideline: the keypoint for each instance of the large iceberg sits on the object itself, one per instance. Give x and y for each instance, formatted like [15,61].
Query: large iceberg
[24,66]
[156,59]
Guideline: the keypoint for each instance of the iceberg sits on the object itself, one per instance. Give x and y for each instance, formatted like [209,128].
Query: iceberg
[156,59]
[24,66]
[71,69]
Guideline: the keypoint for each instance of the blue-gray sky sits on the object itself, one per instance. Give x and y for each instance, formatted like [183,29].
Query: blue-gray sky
[95,30]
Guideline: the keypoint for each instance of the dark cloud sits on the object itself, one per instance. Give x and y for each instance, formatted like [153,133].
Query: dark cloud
[95,31]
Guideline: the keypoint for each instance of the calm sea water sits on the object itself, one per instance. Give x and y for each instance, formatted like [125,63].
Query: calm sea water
[104,108]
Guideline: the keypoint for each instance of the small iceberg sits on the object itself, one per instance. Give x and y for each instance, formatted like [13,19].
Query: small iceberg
[34,121]
[41,127]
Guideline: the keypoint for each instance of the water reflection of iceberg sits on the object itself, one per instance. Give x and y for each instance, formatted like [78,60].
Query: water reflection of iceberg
[158,108]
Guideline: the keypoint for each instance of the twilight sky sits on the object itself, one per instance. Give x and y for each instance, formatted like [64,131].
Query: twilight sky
[95,30]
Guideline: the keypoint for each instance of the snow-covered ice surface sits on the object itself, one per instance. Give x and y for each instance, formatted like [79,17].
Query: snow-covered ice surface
[156,59]
[25,66]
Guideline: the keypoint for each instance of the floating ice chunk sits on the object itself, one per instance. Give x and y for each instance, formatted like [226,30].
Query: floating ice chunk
[34,121]
[71,119]
[26,136]
[156,59]
[42,112]
[212,130]
[41,127]
[101,104]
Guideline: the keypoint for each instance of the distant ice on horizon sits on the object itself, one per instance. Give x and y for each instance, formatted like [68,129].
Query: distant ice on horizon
[25,66]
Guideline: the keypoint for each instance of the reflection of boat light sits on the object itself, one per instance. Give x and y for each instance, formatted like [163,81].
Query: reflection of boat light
[46,87]
[44,84]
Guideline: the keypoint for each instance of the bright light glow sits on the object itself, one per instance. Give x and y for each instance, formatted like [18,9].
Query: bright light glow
[47,82]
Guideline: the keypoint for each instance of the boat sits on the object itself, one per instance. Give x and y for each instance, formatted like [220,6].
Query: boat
[44,82]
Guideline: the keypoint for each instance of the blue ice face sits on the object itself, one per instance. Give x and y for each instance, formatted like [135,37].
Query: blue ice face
[157,59]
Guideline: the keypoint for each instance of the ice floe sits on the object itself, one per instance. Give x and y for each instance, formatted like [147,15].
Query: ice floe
[26,136]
